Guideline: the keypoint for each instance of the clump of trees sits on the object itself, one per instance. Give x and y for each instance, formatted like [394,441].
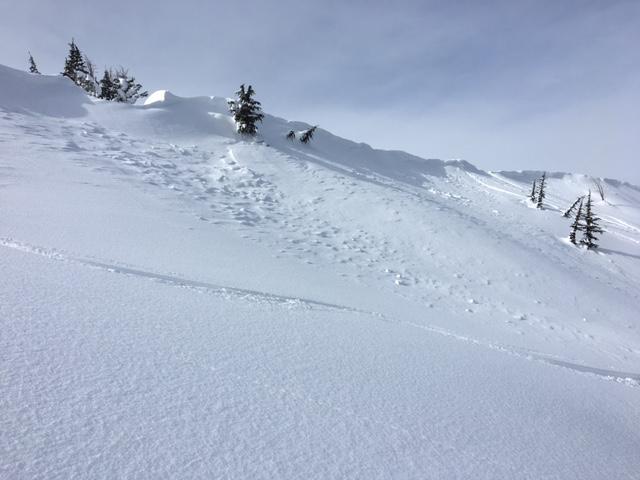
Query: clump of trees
[81,70]
[116,84]
[581,211]
[246,110]
[585,221]
[305,135]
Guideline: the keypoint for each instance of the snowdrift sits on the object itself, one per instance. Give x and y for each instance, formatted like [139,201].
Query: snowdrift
[54,96]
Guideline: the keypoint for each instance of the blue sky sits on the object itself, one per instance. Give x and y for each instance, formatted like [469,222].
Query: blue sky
[504,84]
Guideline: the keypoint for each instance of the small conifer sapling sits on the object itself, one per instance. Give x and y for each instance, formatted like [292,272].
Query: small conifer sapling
[591,227]
[576,226]
[33,68]
[532,195]
[541,192]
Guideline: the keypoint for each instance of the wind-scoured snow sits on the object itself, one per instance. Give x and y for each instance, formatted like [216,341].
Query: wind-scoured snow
[180,302]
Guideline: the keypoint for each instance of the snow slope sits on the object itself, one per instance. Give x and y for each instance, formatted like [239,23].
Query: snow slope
[178,302]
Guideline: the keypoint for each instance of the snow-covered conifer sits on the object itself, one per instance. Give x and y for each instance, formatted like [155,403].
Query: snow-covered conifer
[591,227]
[577,224]
[307,135]
[32,65]
[541,192]
[291,135]
[74,66]
[572,208]
[108,88]
[88,80]
[532,195]
[127,90]
[246,111]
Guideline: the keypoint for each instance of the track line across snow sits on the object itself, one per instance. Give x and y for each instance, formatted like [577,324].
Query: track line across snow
[179,281]
[626,378]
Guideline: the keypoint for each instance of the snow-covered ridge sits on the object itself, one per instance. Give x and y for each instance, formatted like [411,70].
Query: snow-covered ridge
[216,119]
[185,118]
[176,118]
[528,176]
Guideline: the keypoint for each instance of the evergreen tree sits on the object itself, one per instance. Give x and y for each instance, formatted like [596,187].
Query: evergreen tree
[532,195]
[577,224]
[127,90]
[246,111]
[291,135]
[591,227]
[74,66]
[568,213]
[541,193]
[32,65]
[89,81]
[307,135]
[108,88]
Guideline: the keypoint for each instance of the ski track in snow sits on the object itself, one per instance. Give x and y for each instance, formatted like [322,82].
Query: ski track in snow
[225,291]
[626,378]
[629,379]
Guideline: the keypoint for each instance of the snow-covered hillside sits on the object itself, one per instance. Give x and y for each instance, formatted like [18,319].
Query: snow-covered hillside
[178,302]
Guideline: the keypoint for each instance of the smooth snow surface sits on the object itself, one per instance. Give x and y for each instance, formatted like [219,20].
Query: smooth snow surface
[179,302]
